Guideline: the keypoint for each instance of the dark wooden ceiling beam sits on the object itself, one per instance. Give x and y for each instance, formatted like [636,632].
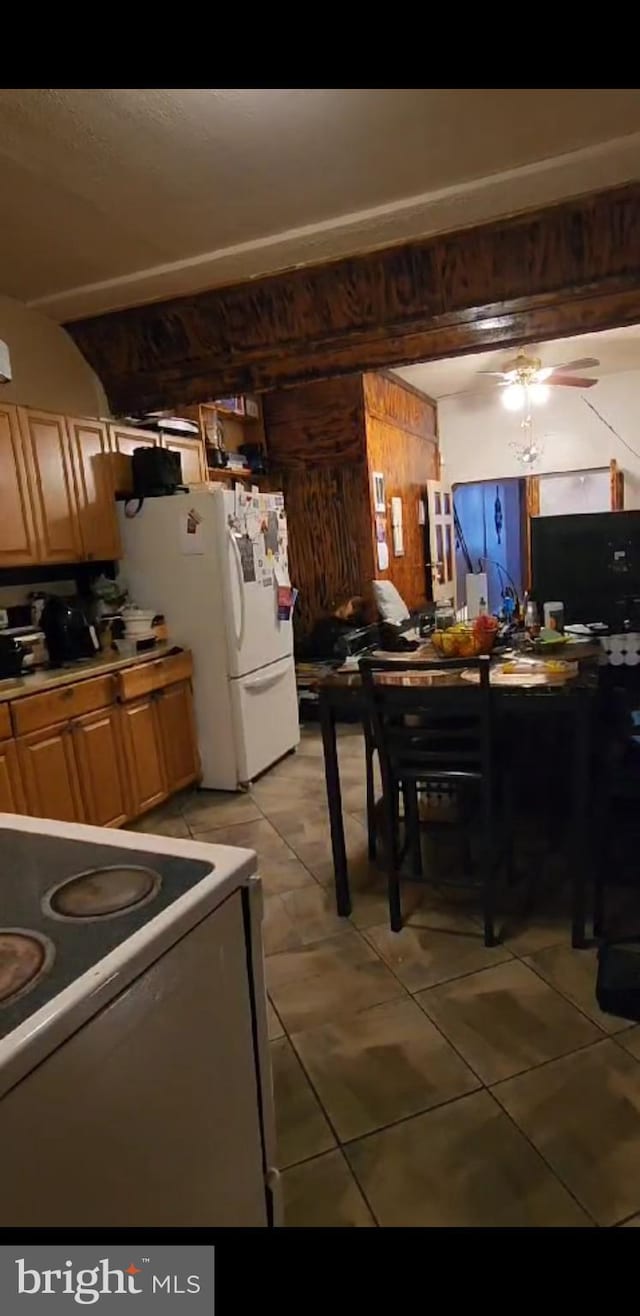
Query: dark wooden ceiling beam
[568,269]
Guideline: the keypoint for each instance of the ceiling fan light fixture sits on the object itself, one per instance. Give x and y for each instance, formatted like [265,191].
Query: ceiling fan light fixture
[538,393]
[514,397]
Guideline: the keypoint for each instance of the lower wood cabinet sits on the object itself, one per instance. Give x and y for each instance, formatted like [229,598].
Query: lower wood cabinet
[50,774]
[98,746]
[12,797]
[177,731]
[143,753]
[108,764]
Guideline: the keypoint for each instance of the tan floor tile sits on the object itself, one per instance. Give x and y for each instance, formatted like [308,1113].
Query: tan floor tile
[310,991]
[630,1040]
[322,1194]
[526,936]
[506,1019]
[422,957]
[289,797]
[279,868]
[460,1165]
[379,1066]
[274,1027]
[312,910]
[583,1115]
[207,809]
[573,972]
[161,822]
[369,900]
[309,836]
[278,931]
[301,1128]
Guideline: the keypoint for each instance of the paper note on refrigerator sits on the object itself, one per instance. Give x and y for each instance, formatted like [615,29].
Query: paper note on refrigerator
[191,534]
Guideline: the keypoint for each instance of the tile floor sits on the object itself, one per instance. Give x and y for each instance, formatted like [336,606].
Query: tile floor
[421,1079]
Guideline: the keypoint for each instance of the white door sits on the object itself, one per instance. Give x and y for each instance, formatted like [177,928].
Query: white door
[441,540]
[265,714]
[255,636]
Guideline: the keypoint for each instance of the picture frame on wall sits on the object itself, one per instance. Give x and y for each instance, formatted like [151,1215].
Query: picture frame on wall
[378,491]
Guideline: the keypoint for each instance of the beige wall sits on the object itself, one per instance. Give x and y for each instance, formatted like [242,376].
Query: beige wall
[476,432]
[48,370]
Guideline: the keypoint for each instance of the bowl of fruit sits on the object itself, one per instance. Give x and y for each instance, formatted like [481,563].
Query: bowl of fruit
[467,639]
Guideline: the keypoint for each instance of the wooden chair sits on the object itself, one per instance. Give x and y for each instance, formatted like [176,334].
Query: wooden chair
[431,733]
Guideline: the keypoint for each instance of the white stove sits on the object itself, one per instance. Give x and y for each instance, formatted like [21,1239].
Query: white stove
[134,1074]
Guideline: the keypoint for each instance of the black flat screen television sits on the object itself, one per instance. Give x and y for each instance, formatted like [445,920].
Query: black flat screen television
[591,562]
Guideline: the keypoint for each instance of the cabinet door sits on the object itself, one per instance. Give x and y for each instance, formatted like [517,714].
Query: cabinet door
[48,455]
[96,503]
[12,798]
[125,439]
[50,775]
[177,729]
[192,456]
[143,753]
[97,740]
[18,545]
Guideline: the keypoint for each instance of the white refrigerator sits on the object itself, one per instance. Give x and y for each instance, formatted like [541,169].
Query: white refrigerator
[212,560]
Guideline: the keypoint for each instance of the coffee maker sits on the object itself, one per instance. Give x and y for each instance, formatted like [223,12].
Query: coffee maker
[68,633]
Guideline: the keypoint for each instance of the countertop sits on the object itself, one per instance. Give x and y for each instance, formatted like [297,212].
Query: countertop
[36,683]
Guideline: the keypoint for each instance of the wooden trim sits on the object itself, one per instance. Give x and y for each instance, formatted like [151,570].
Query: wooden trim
[616,477]
[532,508]
[568,269]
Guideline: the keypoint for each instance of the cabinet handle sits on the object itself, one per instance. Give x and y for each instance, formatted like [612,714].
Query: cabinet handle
[67,692]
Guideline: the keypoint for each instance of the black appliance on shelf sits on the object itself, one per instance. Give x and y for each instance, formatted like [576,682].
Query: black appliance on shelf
[591,561]
[11,657]
[68,632]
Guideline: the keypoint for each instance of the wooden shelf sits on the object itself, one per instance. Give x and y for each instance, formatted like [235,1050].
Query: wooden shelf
[226,473]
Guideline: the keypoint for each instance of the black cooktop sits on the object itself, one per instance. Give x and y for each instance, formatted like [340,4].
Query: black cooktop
[34,867]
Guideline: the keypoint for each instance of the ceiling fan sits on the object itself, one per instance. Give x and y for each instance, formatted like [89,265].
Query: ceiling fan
[525,379]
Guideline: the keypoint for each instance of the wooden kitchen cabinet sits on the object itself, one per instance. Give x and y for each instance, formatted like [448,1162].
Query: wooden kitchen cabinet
[48,457]
[124,438]
[97,741]
[18,544]
[177,731]
[191,451]
[98,522]
[12,797]
[50,775]
[143,753]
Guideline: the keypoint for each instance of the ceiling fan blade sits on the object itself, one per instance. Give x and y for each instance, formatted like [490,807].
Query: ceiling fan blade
[584,363]
[492,372]
[571,381]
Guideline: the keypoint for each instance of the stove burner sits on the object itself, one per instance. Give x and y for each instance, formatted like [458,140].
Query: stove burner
[23,957]
[103,892]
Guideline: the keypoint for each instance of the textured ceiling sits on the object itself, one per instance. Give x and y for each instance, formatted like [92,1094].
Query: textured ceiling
[112,196]
[615,349]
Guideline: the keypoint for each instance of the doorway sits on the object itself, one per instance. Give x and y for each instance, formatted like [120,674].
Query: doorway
[489,518]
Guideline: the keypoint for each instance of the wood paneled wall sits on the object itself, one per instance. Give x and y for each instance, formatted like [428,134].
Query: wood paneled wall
[316,444]
[324,440]
[402,443]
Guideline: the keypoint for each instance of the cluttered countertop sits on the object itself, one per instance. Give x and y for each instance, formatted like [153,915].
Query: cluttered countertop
[16,687]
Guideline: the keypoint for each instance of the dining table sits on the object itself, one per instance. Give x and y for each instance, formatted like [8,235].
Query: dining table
[341,698]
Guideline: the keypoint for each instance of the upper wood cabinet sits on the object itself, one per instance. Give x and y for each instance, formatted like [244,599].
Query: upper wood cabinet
[192,455]
[124,438]
[48,456]
[90,450]
[18,545]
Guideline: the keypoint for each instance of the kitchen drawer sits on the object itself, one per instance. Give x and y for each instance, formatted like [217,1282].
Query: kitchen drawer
[38,711]
[5,722]
[154,675]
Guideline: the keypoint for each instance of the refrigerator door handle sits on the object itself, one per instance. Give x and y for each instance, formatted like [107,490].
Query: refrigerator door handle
[263,682]
[238,561]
